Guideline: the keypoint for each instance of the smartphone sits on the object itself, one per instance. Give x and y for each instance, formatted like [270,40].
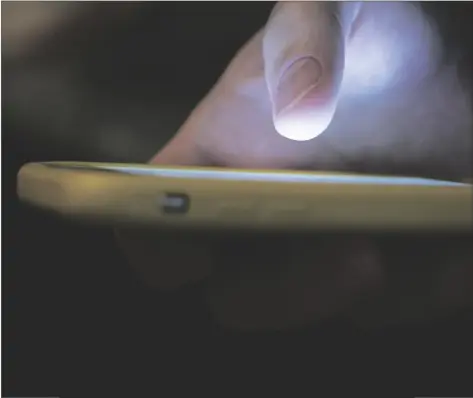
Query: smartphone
[182,197]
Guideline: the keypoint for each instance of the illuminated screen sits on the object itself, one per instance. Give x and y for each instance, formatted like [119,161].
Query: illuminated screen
[267,176]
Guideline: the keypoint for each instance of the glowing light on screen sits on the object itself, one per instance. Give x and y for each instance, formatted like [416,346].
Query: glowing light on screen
[282,177]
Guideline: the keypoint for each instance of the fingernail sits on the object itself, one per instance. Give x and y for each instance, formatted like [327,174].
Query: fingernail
[300,78]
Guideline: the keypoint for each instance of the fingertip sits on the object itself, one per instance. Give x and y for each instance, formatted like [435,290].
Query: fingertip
[304,66]
[304,123]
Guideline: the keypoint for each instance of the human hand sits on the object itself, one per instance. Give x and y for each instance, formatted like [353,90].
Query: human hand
[360,87]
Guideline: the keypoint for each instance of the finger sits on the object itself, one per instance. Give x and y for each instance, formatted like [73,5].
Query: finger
[303,50]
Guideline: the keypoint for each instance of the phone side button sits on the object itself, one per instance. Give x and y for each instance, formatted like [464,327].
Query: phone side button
[175,203]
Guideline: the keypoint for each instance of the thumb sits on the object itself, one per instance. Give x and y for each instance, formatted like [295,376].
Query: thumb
[304,51]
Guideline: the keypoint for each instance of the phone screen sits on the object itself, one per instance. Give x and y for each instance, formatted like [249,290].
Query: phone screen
[213,174]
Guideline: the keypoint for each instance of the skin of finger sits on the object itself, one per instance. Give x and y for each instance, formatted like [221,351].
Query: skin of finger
[311,92]
[318,34]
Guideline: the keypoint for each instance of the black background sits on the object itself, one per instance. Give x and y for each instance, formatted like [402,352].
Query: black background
[76,319]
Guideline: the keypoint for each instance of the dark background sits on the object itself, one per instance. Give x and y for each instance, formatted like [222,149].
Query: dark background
[76,319]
